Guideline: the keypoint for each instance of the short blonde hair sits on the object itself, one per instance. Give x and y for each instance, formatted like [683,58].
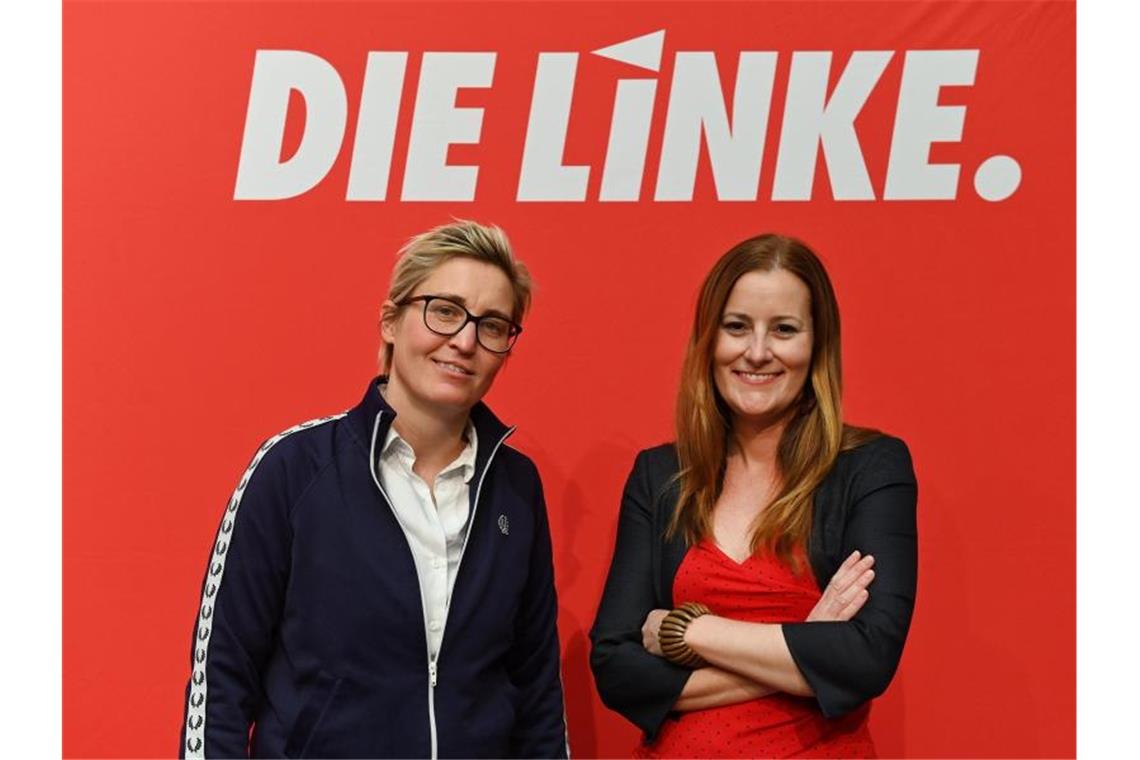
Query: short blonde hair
[461,238]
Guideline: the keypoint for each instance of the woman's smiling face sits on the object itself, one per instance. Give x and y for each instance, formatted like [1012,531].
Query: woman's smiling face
[449,372]
[763,350]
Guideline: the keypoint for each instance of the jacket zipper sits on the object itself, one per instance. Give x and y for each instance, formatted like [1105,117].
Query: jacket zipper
[433,666]
[433,673]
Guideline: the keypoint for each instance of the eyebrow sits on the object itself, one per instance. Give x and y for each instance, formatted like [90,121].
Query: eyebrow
[463,302]
[777,318]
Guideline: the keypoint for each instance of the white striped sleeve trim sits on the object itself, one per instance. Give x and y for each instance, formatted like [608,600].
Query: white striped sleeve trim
[196,707]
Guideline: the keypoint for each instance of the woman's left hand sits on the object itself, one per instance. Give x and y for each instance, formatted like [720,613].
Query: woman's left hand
[649,631]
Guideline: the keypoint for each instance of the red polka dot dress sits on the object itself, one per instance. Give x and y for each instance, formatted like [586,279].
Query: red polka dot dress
[762,589]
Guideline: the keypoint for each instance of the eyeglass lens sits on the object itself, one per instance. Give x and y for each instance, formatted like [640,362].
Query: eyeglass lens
[447,318]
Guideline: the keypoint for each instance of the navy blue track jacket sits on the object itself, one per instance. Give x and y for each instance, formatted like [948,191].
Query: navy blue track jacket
[311,627]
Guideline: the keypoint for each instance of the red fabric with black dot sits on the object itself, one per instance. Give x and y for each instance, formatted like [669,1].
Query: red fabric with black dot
[762,589]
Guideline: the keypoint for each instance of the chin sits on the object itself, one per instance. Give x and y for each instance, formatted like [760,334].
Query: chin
[760,412]
[751,406]
[445,396]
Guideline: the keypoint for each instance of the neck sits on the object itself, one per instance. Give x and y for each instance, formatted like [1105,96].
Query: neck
[758,444]
[433,435]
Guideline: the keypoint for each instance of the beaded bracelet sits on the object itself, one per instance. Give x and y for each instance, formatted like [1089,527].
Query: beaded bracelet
[671,635]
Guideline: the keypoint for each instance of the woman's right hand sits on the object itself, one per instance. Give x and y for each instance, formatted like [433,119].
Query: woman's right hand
[847,592]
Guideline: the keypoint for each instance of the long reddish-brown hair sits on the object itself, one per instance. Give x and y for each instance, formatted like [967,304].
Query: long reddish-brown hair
[814,434]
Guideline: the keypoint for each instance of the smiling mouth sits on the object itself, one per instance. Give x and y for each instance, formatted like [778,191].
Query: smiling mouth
[756,378]
[453,369]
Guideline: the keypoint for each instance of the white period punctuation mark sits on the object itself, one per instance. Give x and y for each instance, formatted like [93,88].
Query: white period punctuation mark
[997,178]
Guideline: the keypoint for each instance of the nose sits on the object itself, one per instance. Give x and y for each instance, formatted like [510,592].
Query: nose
[759,350]
[465,340]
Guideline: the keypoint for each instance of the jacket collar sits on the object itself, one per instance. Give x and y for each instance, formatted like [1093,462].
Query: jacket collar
[363,422]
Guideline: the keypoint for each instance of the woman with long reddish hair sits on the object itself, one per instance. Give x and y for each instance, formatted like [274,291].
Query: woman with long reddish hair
[764,575]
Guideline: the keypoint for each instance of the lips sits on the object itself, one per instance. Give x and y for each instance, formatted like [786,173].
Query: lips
[452,368]
[757,378]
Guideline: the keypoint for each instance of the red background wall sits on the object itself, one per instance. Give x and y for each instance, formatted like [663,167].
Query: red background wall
[195,326]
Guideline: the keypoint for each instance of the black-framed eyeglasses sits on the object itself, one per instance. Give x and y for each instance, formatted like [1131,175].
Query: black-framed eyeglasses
[446,317]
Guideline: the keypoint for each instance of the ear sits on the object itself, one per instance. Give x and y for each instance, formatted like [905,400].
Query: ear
[389,315]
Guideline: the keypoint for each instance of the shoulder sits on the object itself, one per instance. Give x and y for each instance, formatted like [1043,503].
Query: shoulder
[296,454]
[516,463]
[881,461]
[314,439]
[653,477]
[881,448]
[657,462]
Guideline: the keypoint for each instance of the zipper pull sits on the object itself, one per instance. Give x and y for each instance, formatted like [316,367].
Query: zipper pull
[432,672]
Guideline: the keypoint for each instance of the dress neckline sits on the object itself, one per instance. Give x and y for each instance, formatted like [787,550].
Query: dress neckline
[711,544]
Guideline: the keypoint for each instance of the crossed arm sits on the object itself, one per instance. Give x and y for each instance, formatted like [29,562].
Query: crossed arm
[843,660]
[752,660]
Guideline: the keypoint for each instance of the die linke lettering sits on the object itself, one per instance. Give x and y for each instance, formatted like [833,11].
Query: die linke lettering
[732,128]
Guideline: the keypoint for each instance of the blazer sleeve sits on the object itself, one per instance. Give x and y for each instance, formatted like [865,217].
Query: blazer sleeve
[241,603]
[534,658]
[847,663]
[640,686]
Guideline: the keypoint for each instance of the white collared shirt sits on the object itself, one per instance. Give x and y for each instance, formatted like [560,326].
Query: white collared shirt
[434,520]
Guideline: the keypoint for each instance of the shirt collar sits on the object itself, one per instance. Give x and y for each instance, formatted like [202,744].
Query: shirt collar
[395,446]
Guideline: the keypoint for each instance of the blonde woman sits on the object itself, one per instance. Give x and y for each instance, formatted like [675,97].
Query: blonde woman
[764,575]
[382,582]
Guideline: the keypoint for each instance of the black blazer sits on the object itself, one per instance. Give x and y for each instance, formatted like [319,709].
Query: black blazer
[867,502]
